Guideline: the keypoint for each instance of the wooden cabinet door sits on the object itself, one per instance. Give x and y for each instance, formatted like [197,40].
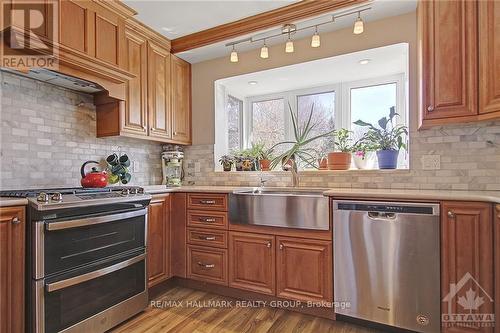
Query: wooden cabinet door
[134,120]
[158,240]
[76,25]
[449,58]
[159,95]
[181,100]
[87,27]
[252,262]
[12,256]
[304,269]
[489,56]
[466,261]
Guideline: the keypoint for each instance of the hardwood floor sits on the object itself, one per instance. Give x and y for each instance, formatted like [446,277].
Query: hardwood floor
[185,317]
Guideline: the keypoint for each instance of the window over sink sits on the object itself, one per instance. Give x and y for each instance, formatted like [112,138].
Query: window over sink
[256,109]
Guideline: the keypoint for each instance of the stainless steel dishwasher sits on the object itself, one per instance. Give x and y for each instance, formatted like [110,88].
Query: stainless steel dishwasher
[387,263]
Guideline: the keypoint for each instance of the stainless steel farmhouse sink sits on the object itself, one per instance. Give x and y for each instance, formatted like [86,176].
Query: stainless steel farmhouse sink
[302,208]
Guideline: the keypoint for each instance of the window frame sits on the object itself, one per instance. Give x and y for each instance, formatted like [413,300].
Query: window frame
[342,105]
[240,118]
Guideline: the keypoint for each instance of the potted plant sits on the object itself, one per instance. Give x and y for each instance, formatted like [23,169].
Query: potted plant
[238,160]
[388,139]
[340,159]
[361,154]
[227,162]
[265,159]
[297,150]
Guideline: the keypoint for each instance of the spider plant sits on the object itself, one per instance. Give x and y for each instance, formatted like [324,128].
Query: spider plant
[302,137]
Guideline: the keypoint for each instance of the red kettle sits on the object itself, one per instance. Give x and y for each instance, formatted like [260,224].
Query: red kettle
[93,178]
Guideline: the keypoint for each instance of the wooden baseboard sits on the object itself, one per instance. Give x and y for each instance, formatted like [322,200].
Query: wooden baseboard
[323,312]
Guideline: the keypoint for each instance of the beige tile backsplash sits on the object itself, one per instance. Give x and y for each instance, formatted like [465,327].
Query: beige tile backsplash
[46,136]
[47,133]
[469,160]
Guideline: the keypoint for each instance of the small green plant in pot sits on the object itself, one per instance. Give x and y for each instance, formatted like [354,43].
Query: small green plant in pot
[388,139]
[340,159]
[361,154]
[266,156]
[227,162]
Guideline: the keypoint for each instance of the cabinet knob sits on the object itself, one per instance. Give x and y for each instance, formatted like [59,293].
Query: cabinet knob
[451,215]
[430,108]
[151,129]
[269,244]
[15,220]
[281,246]
[175,133]
[144,127]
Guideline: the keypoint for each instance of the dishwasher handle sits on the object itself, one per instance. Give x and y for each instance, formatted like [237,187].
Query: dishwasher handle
[382,216]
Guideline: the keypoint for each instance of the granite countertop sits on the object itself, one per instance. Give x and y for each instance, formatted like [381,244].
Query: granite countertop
[432,195]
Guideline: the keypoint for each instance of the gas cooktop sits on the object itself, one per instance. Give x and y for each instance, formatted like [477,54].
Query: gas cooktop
[54,198]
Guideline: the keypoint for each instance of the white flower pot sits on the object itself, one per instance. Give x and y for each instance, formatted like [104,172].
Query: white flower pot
[365,162]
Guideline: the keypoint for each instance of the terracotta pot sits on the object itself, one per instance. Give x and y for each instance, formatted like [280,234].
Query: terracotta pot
[265,165]
[323,163]
[339,161]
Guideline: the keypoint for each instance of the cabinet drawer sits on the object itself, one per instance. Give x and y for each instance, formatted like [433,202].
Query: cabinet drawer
[207,264]
[216,220]
[214,238]
[207,201]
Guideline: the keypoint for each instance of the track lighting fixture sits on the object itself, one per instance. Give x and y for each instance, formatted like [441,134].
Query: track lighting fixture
[315,40]
[234,55]
[358,25]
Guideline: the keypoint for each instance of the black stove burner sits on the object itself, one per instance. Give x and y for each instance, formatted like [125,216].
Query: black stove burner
[65,190]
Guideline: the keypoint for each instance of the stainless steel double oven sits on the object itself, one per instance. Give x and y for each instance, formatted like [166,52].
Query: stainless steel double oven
[87,271]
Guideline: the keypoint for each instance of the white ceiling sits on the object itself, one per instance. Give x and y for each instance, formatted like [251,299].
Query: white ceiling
[180,18]
[175,19]
[384,61]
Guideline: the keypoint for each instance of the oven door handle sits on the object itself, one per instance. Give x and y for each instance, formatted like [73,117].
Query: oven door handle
[50,287]
[51,226]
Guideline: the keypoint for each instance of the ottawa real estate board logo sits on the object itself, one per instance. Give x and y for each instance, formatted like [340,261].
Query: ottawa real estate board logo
[29,35]
[468,305]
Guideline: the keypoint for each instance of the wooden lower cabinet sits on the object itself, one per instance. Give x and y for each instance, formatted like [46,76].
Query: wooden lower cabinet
[12,257]
[466,262]
[252,262]
[158,240]
[304,269]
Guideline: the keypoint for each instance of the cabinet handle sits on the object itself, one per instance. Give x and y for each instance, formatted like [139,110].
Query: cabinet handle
[206,265]
[207,202]
[281,246]
[208,238]
[269,244]
[451,215]
[430,108]
[207,219]
[144,127]
[15,220]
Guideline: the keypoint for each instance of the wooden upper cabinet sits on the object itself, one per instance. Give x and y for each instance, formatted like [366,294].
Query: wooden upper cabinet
[252,262]
[181,100]
[466,259]
[159,92]
[448,32]
[135,118]
[12,257]
[88,27]
[489,56]
[158,240]
[304,269]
